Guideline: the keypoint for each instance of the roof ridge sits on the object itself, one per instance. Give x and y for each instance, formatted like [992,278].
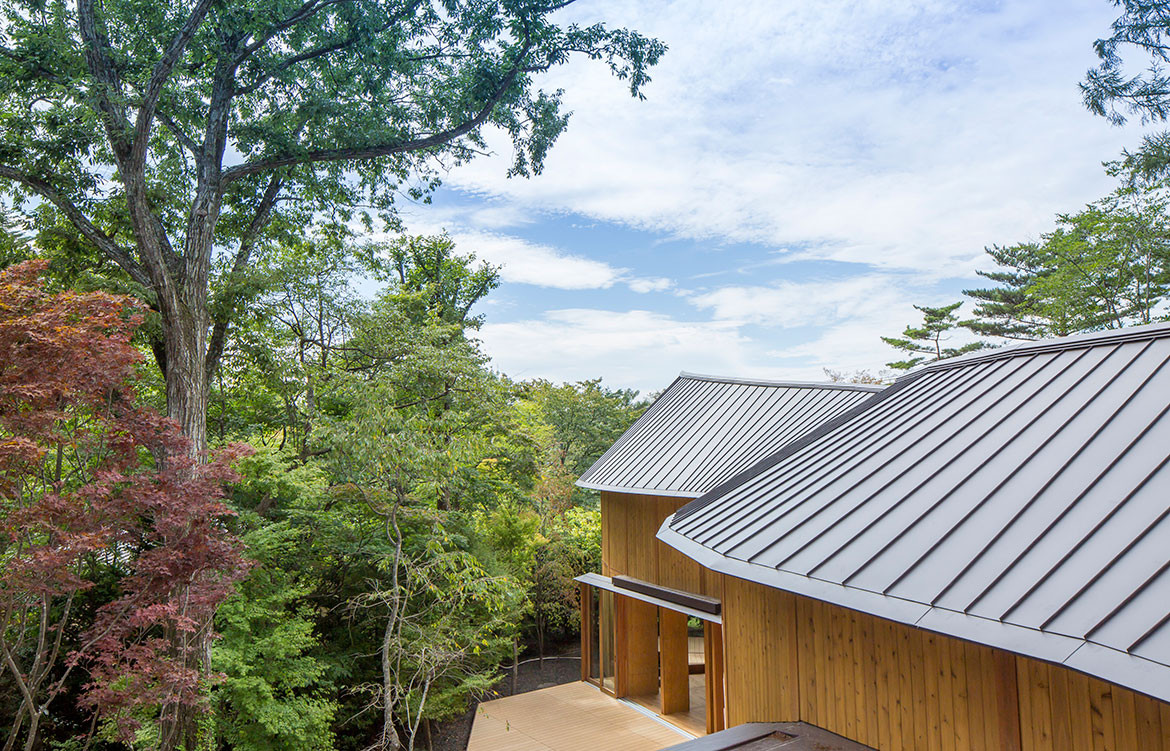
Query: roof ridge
[872,387]
[1054,344]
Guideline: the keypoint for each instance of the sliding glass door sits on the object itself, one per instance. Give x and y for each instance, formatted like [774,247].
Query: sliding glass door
[598,638]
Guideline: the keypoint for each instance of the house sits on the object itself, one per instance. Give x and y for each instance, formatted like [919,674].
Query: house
[976,557]
[699,433]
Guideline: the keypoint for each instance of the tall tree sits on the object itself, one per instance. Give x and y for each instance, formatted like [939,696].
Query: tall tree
[1108,90]
[926,342]
[214,118]
[448,284]
[1142,30]
[415,435]
[1005,310]
[95,491]
[585,419]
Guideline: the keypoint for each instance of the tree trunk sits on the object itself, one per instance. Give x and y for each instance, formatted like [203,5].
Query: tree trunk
[185,322]
[390,739]
[31,740]
[185,333]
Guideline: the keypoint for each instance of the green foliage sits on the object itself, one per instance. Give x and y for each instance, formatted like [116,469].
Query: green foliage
[925,342]
[1108,90]
[275,692]
[1141,32]
[404,501]
[444,283]
[14,245]
[580,530]
[1104,267]
[584,420]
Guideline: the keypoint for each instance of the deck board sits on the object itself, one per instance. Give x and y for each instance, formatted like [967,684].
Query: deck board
[570,717]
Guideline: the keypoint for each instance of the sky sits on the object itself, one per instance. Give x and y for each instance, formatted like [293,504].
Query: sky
[799,175]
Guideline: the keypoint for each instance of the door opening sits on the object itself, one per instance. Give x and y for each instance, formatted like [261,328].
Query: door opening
[668,660]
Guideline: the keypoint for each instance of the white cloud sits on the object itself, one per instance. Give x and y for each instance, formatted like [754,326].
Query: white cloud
[810,326]
[898,136]
[894,133]
[631,349]
[525,262]
[787,304]
[650,284]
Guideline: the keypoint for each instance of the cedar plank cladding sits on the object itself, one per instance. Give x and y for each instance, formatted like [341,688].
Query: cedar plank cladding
[629,546]
[899,688]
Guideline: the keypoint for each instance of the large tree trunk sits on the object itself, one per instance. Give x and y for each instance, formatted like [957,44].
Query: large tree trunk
[185,324]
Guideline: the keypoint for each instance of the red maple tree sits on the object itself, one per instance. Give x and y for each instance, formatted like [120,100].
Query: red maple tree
[92,481]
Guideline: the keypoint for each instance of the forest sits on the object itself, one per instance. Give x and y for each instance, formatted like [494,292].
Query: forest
[260,486]
[242,504]
[398,516]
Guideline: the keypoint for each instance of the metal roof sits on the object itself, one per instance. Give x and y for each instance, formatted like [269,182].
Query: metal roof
[704,429]
[1018,498]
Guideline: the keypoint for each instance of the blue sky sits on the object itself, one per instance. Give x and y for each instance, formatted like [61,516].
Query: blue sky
[799,175]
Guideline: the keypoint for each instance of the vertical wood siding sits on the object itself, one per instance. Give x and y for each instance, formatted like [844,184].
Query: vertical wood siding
[629,524]
[899,688]
[880,683]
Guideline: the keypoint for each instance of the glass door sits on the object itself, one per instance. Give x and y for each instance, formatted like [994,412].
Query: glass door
[607,641]
[598,638]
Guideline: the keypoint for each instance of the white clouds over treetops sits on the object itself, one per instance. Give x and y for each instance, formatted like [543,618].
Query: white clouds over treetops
[888,141]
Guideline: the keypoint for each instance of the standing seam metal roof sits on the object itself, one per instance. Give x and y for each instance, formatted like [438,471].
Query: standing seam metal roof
[1018,498]
[704,429]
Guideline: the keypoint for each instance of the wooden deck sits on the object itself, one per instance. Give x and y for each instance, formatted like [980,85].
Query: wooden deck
[570,717]
[693,721]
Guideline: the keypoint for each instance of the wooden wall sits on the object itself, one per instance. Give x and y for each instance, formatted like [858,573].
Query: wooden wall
[896,687]
[884,684]
[1061,709]
[629,524]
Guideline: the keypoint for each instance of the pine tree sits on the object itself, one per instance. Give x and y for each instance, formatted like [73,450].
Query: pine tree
[925,342]
[1006,310]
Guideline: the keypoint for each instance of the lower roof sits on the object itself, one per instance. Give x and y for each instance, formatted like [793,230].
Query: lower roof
[705,429]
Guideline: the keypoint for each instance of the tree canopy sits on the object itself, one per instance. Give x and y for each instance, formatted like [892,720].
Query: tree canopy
[407,517]
[927,342]
[162,131]
[1105,266]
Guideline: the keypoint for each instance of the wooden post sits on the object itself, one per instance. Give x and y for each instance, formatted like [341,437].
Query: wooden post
[586,602]
[713,675]
[515,663]
[675,659]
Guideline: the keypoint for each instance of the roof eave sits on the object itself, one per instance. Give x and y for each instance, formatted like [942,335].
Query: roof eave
[636,491]
[1130,671]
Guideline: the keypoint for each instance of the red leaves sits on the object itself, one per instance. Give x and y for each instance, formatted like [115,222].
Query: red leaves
[86,479]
